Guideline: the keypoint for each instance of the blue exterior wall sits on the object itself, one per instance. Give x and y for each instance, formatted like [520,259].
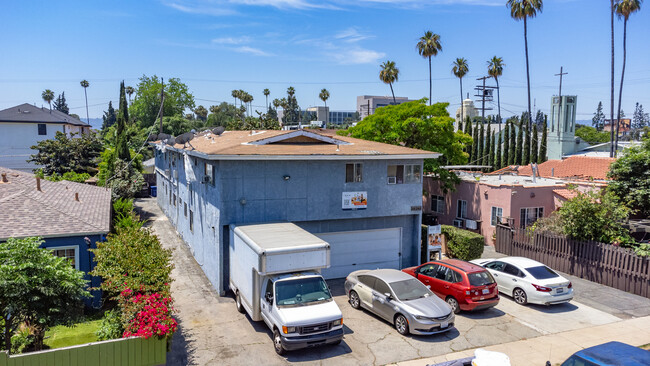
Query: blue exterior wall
[256,191]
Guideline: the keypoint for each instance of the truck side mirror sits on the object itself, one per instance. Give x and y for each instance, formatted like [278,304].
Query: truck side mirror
[269,297]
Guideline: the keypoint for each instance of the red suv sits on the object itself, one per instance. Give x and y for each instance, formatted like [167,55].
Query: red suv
[465,286]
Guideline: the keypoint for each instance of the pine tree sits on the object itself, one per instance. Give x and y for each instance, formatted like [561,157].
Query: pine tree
[542,148]
[490,137]
[534,145]
[121,146]
[598,121]
[60,104]
[526,152]
[481,145]
[109,117]
[497,158]
[475,144]
[519,147]
[639,118]
[468,132]
[513,141]
[506,145]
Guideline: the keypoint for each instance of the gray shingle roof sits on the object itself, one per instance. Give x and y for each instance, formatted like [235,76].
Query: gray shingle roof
[29,113]
[52,211]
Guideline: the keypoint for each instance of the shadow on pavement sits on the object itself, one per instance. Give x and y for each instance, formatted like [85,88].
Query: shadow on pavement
[182,348]
[483,314]
[548,309]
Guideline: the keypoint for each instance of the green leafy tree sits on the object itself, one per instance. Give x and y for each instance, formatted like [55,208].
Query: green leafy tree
[416,125]
[61,105]
[428,46]
[389,74]
[146,104]
[520,142]
[64,154]
[542,146]
[121,146]
[598,121]
[222,114]
[109,118]
[459,69]
[126,181]
[630,176]
[534,148]
[201,113]
[591,135]
[495,70]
[37,289]
[48,96]
[522,10]
[506,145]
[291,109]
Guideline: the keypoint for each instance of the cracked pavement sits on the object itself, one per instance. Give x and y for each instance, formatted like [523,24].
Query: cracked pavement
[212,332]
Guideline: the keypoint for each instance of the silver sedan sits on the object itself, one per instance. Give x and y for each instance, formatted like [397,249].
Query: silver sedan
[400,299]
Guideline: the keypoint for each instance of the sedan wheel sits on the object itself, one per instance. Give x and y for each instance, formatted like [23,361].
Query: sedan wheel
[402,325]
[453,303]
[520,296]
[277,343]
[354,300]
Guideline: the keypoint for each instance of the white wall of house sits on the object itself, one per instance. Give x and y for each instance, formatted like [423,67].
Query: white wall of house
[16,140]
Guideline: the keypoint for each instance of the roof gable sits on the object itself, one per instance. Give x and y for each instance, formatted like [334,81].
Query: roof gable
[31,114]
[300,137]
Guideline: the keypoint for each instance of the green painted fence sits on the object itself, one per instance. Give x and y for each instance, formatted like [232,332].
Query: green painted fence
[132,351]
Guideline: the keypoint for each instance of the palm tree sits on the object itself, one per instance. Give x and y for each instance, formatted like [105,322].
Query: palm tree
[389,74]
[291,91]
[460,69]
[276,103]
[266,94]
[428,46]
[129,91]
[624,9]
[522,10]
[48,96]
[84,84]
[324,96]
[235,94]
[611,110]
[495,70]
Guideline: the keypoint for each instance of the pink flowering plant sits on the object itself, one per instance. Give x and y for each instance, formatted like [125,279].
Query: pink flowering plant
[146,315]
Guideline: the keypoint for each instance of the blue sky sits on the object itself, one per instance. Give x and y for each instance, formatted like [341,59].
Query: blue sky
[215,46]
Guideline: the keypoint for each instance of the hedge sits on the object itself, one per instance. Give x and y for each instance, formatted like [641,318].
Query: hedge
[463,244]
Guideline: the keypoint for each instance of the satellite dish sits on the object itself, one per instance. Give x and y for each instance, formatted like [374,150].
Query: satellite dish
[171,141]
[218,130]
[184,138]
[152,137]
[163,136]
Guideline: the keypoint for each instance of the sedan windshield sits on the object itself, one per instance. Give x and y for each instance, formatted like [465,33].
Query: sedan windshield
[542,272]
[301,291]
[409,290]
[480,278]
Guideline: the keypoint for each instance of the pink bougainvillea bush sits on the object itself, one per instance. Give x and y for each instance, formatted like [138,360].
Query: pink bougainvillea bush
[146,315]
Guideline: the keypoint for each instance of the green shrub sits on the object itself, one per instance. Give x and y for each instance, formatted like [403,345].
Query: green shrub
[122,207]
[463,244]
[20,340]
[110,326]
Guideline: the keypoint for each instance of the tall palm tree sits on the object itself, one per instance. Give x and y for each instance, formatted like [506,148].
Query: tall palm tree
[276,103]
[429,45]
[266,94]
[624,9]
[460,69]
[522,10]
[129,91]
[495,70]
[48,96]
[291,91]
[84,84]
[324,96]
[235,94]
[389,74]
[611,110]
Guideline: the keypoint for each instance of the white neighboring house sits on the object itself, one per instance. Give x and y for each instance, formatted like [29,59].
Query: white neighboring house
[23,126]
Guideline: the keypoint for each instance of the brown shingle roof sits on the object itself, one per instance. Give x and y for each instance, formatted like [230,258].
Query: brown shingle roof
[301,142]
[581,167]
[52,211]
[32,114]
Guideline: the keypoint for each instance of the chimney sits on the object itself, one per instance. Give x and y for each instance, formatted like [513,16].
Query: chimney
[76,196]
[38,183]
[4,178]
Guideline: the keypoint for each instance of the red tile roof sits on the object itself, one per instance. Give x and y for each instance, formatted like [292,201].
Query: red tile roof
[567,194]
[580,167]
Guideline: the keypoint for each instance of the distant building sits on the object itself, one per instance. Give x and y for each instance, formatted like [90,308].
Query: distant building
[561,131]
[368,104]
[468,111]
[23,126]
[623,128]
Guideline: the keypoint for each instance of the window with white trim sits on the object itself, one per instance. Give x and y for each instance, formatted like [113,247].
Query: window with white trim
[399,174]
[461,209]
[529,215]
[438,204]
[69,252]
[353,173]
[497,214]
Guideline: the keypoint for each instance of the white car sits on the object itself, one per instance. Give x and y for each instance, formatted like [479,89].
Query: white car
[528,281]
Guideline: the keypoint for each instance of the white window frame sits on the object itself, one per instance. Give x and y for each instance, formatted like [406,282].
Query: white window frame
[463,215]
[65,247]
[494,218]
[438,200]
[411,174]
[357,173]
[524,223]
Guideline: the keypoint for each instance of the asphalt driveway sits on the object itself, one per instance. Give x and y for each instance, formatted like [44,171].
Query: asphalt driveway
[211,331]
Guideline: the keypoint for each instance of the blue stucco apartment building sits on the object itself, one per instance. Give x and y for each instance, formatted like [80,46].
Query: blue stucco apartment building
[363,197]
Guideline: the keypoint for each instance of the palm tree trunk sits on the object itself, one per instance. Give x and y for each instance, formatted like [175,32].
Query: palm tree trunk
[267,102]
[527,67]
[462,112]
[87,117]
[431,82]
[611,110]
[392,92]
[620,91]
[498,104]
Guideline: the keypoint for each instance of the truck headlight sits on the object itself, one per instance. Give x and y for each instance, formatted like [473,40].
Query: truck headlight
[337,322]
[287,330]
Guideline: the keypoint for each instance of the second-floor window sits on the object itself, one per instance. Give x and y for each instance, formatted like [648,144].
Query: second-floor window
[438,204]
[399,174]
[42,129]
[461,209]
[353,172]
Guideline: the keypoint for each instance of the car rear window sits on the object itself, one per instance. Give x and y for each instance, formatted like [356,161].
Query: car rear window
[480,278]
[542,272]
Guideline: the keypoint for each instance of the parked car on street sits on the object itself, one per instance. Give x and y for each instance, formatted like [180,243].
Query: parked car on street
[463,285]
[611,353]
[528,281]
[399,299]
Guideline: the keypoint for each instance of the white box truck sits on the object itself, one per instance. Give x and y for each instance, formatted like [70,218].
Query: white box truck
[275,275]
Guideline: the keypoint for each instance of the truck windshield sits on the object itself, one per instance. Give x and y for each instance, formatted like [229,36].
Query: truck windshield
[301,291]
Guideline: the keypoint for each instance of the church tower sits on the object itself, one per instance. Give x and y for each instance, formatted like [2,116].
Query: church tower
[561,130]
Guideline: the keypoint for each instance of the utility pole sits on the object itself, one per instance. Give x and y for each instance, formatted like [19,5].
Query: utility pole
[162,102]
[559,108]
[486,94]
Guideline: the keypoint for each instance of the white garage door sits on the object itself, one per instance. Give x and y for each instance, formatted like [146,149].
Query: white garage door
[368,249]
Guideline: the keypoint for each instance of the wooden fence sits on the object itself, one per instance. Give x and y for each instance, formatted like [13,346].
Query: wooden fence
[132,351]
[601,263]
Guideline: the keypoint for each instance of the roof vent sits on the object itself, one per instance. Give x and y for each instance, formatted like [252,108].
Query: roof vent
[4,178]
[38,183]
[76,196]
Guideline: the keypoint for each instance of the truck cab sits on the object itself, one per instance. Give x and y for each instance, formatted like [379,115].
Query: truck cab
[300,310]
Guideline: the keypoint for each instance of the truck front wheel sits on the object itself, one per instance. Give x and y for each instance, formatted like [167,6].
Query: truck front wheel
[277,343]
[240,307]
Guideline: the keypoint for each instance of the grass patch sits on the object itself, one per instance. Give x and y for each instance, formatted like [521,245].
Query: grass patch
[62,336]
[646,347]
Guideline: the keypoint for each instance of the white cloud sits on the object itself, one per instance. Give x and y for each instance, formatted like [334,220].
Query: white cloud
[232,40]
[252,51]
[351,35]
[203,8]
[356,56]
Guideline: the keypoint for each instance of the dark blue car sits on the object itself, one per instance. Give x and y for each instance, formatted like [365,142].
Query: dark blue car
[610,354]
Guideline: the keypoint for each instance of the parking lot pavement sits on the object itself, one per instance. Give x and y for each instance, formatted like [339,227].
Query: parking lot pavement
[212,332]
